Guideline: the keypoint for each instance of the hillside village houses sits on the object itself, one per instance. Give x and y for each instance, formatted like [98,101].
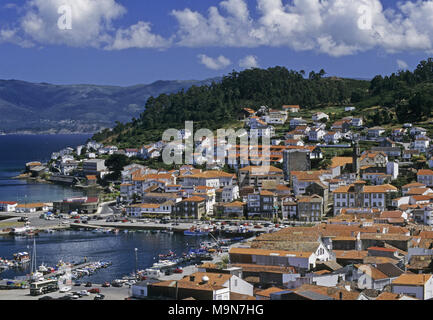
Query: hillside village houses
[353,205]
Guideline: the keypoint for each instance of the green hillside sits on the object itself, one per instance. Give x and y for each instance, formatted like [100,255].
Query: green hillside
[220,104]
[389,101]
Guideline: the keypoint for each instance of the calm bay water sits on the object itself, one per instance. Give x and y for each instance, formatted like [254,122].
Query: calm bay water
[69,246]
[17,150]
[119,249]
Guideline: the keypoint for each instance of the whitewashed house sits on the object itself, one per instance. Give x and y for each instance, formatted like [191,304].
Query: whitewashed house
[8,206]
[425,176]
[131,153]
[160,209]
[418,132]
[316,134]
[275,117]
[375,132]
[421,144]
[297,122]
[319,116]
[332,137]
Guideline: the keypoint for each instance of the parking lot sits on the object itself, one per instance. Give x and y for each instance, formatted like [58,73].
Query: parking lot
[110,293]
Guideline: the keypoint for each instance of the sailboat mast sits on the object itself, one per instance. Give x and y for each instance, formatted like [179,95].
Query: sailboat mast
[33,266]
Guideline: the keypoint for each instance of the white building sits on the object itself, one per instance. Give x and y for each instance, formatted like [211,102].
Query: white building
[421,144]
[229,193]
[319,116]
[316,134]
[297,122]
[425,176]
[332,137]
[31,207]
[160,209]
[8,206]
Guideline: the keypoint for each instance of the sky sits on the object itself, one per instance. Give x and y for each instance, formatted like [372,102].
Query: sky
[128,42]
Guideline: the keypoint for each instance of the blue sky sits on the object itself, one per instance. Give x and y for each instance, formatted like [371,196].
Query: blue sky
[126,42]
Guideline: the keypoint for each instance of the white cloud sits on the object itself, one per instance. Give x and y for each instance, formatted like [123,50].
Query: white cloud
[249,62]
[138,36]
[402,64]
[11,36]
[92,25]
[334,27]
[214,63]
[91,21]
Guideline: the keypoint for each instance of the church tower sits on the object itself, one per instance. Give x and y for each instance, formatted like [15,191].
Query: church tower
[356,159]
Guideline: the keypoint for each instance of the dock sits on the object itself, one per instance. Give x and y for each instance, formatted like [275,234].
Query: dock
[58,273]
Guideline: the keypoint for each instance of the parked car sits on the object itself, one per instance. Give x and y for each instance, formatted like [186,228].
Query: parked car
[65,289]
[77,221]
[85,222]
[77,283]
[106,285]
[94,290]
[117,284]
[84,293]
[23,219]
[88,284]
[99,297]
[178,270]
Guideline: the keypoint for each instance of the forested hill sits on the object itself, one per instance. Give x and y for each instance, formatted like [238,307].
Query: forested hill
[390,100]
[214,106]
[409,95]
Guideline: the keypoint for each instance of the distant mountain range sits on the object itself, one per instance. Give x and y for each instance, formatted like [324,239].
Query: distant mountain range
[27,107]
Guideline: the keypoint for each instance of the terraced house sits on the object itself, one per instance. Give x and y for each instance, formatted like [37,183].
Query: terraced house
[358,195]
[310,208]
[256,175]
[425,176]
[262,204]
[213,178]
[193,207]
[153,209]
